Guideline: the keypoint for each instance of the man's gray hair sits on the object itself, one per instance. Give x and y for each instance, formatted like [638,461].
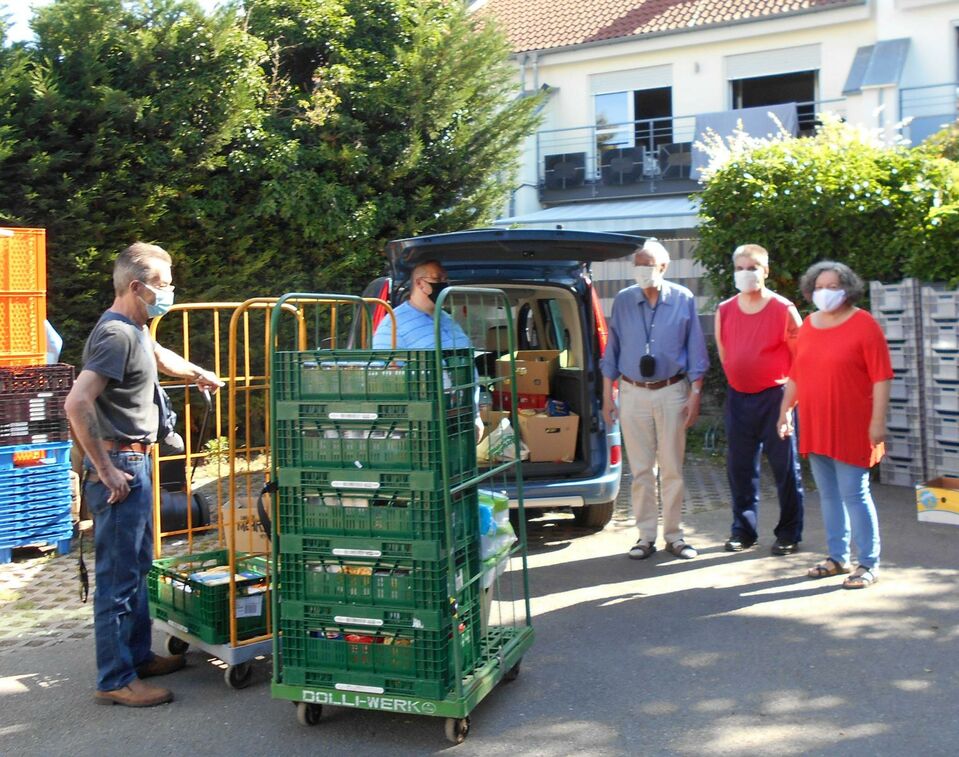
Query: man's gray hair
[848,280]
[756,253]
[654,248]
[134,264]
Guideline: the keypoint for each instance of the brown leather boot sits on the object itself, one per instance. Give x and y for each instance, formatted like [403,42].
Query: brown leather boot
[160,665]
[135,694]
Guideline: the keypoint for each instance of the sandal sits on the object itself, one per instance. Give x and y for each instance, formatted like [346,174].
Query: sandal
[641,550]
[682,550]
[860,579]
[826,568]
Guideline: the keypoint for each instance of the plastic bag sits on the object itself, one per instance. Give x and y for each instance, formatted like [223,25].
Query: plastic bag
[500,443]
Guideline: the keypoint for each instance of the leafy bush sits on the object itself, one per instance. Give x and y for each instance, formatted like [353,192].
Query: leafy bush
[270,146]
[886,211]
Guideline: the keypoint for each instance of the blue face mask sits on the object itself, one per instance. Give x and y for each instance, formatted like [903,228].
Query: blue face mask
[163,301]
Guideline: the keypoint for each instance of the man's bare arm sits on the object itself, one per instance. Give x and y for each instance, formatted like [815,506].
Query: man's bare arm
[80,406]
[179,367]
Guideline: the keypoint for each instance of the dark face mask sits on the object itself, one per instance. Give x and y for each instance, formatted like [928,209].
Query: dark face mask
[437,287]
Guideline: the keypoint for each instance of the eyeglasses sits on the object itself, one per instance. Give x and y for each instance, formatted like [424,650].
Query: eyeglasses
[160,287]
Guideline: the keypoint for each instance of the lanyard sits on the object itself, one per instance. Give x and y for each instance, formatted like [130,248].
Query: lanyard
[648,330]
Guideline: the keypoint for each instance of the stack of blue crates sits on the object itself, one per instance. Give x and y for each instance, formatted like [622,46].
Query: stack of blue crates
[35,486]
[940,330]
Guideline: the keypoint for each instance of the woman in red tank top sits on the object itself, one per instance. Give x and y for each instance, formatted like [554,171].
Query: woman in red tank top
[840,380]
[755,334]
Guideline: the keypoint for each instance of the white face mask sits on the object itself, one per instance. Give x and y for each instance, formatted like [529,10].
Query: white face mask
[648,276]
[748,281]
[828,300]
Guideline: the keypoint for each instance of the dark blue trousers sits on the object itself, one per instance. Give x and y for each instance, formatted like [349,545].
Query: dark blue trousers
[750,430]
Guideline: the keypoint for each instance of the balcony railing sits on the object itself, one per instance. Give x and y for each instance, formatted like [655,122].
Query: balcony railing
[635,158]
[928,109]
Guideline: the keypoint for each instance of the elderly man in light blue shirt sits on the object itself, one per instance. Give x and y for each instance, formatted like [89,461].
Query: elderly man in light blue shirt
[657,352]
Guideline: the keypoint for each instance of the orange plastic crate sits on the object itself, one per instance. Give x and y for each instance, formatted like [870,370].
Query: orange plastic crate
[23,303]
[23,261]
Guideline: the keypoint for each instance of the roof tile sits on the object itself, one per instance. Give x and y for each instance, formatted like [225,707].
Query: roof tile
[544,24]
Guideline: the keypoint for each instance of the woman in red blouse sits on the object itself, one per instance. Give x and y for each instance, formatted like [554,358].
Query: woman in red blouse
[840,380]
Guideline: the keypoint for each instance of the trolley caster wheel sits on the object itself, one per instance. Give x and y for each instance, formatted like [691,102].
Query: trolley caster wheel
[513,673]
[239,676]
[175,645]
[457,729]
[308,713]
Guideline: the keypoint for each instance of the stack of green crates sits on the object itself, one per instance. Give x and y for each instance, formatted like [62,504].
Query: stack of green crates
[366,598]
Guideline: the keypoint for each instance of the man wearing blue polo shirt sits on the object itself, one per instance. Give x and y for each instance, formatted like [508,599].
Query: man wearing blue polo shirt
[657,352]
[415,329]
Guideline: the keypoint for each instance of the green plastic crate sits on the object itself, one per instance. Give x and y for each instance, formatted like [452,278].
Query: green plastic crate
[322,644]
[373,374]
[376,583]
[338,435]
[203,610]
[385,512]
[350,480]
[350,547]
[292,675]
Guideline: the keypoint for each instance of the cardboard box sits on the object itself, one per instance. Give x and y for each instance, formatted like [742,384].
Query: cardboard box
[248,534]
[550,439]
[534,370]
[937,501]
[491,419]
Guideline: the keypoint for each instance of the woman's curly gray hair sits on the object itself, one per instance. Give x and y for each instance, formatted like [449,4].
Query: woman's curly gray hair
[848,280]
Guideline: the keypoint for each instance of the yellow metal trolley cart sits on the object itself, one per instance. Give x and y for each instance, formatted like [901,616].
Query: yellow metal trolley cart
[216,596]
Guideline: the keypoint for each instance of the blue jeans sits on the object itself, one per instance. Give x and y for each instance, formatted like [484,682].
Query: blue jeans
[124,553]
[845,500]
[750,431]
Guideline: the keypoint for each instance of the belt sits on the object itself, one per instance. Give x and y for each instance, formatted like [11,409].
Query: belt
[112,445]
[654,384]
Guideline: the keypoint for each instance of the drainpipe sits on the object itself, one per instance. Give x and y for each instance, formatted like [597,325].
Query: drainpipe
[535,71]
[522,72]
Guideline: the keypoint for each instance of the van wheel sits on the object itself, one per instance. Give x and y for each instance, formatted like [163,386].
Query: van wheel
[593,516]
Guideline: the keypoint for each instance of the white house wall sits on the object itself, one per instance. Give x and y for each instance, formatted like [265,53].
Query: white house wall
[699,63]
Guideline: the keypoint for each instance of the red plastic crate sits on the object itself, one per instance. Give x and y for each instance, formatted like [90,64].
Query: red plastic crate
[503,400]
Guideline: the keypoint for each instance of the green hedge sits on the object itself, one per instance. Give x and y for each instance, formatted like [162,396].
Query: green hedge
[889,212]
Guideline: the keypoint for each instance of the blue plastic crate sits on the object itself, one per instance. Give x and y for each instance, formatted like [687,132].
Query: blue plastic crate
[52,515]
[21,507]
[27,512]
[49,454]
[38,534]
[60,540]
[51,479]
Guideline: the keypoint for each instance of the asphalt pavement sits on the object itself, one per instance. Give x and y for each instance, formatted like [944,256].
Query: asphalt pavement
[727,654]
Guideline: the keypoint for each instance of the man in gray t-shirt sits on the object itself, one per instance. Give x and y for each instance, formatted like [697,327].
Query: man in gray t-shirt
[114,414]
[123,352]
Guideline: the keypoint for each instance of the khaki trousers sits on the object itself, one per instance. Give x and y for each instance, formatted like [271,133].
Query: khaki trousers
[653,427]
